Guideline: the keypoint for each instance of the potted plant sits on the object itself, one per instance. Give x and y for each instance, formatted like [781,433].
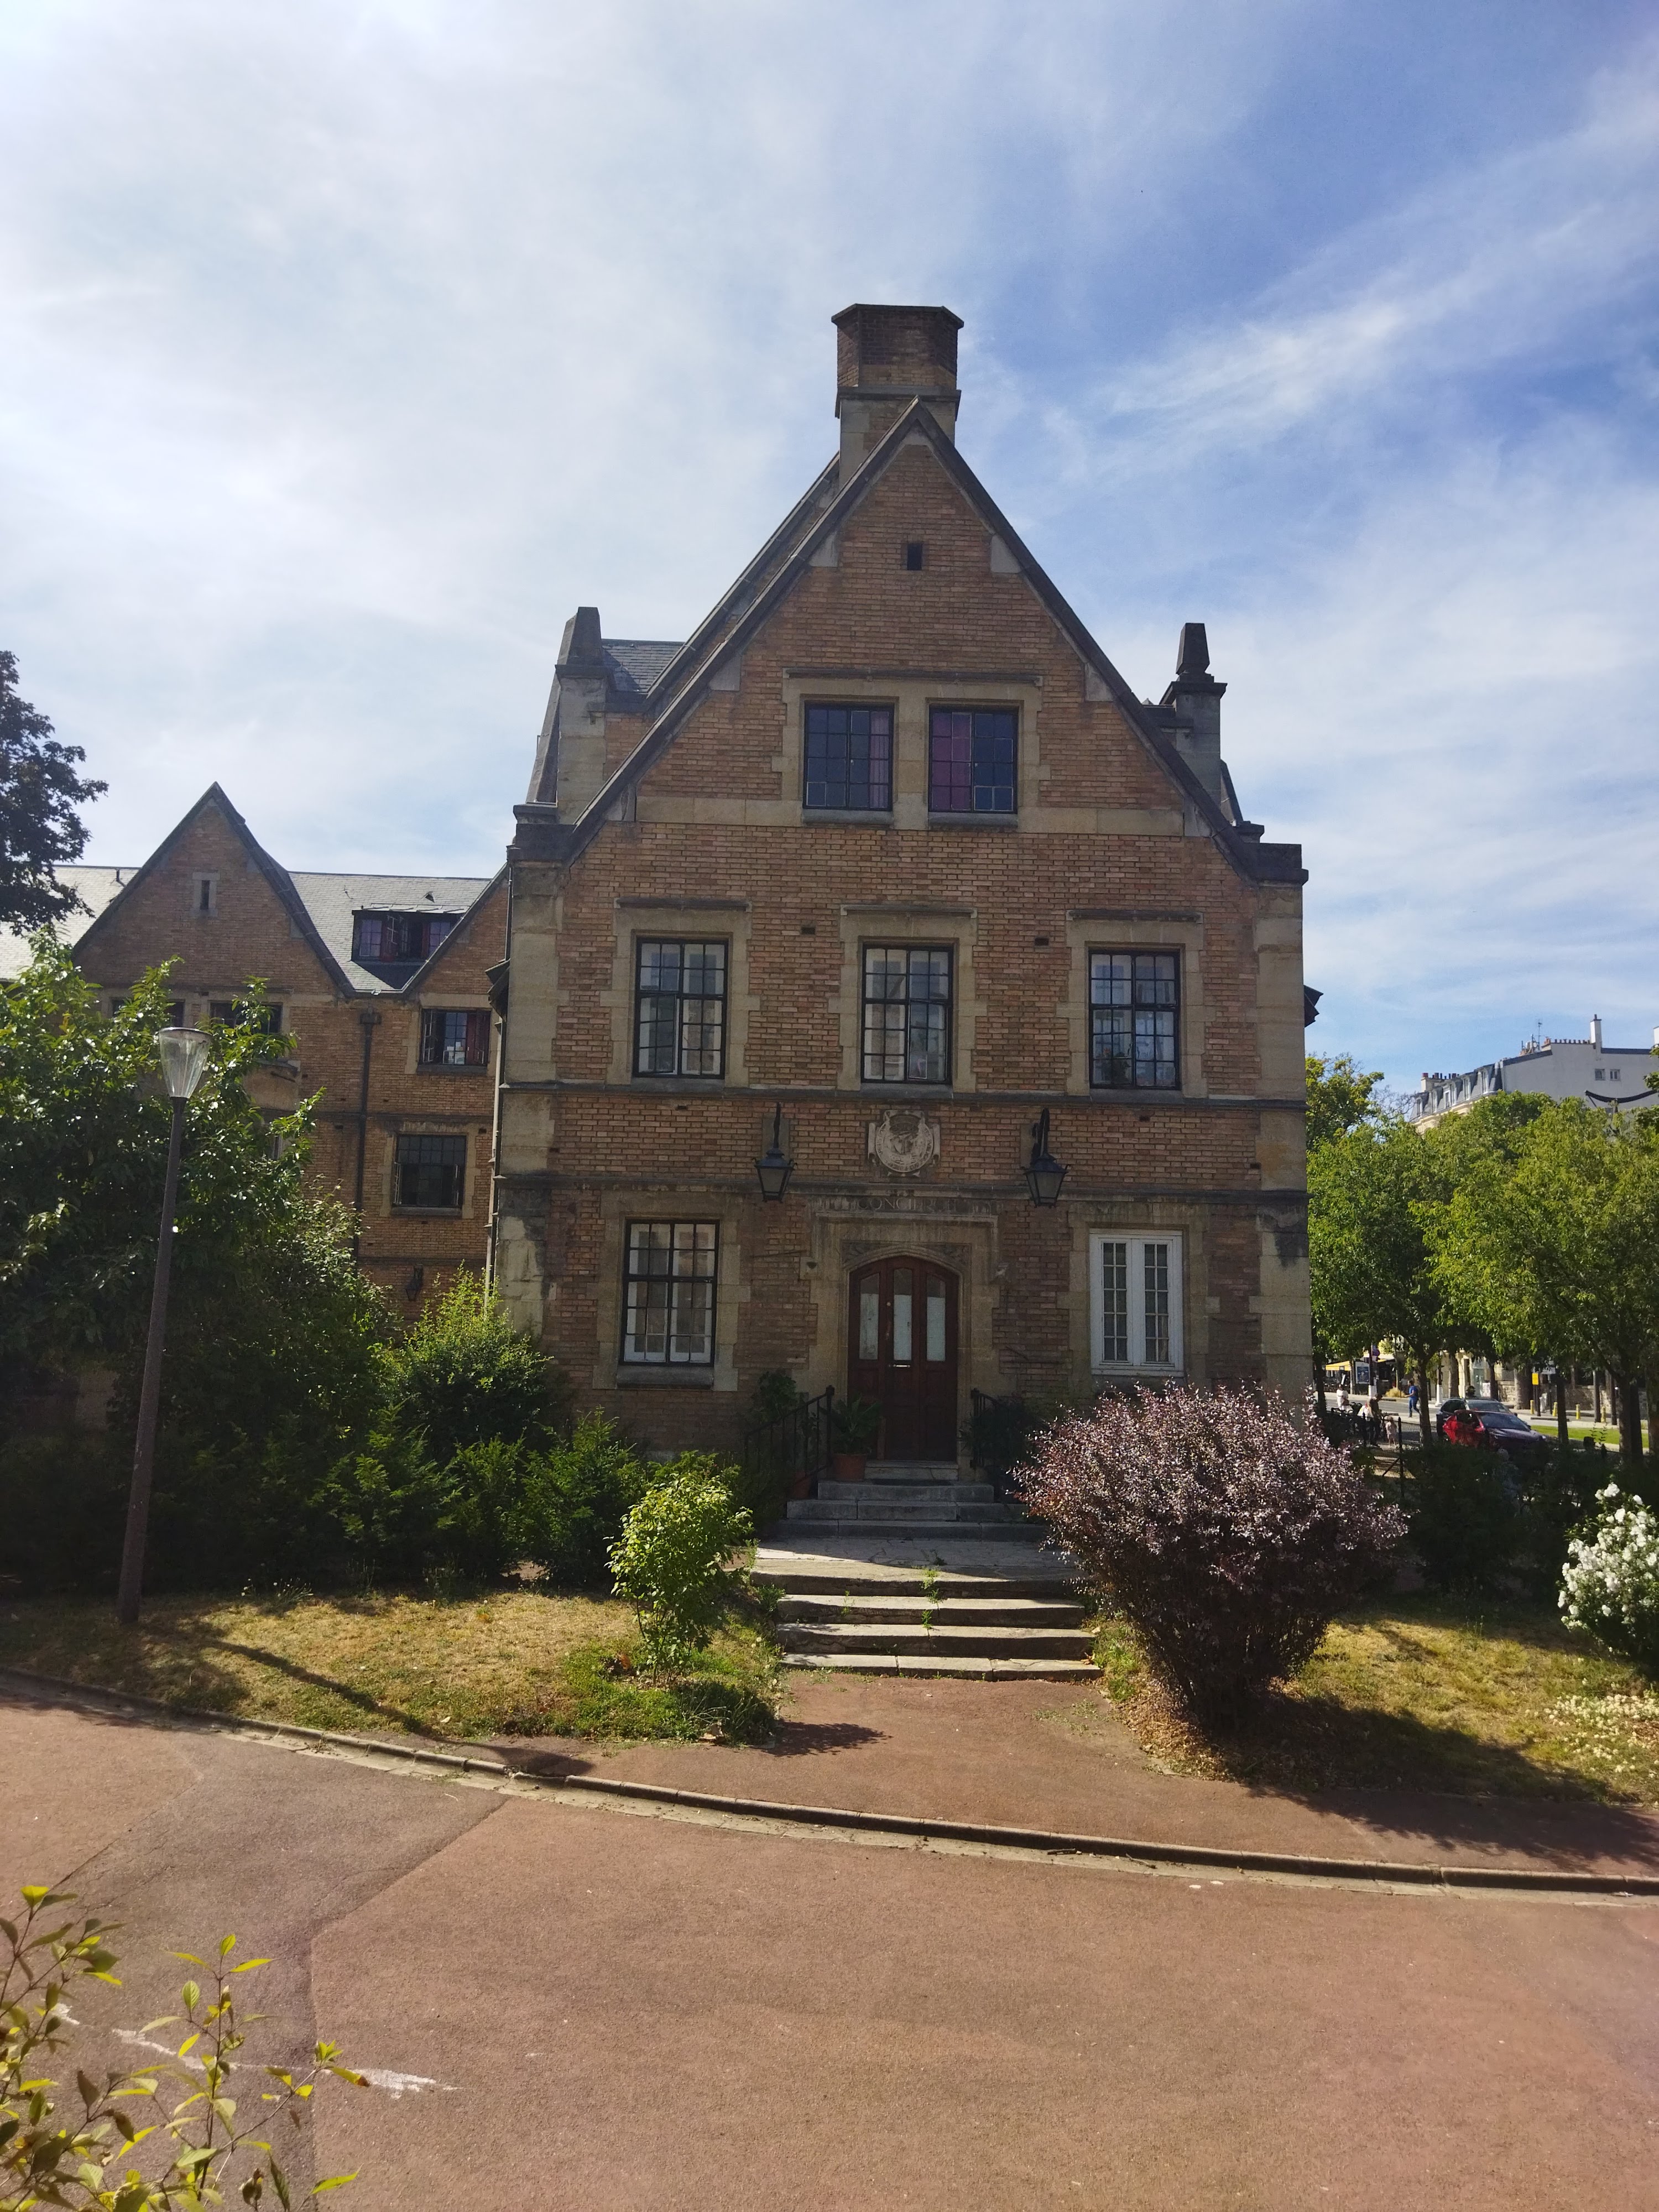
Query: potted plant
[854,1427]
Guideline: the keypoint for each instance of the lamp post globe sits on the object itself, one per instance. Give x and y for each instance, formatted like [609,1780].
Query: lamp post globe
[183,1054]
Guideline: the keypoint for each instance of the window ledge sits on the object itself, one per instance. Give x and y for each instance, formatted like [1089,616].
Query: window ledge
[972,821]
[1137,1094]
[429,1212]
[646,1375]
[442,1067]
[878,817]
[1137,1374]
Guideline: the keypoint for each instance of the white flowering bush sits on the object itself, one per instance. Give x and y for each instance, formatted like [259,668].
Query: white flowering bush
[1610,1583]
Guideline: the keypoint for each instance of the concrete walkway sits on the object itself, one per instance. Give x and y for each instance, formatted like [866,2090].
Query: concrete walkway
[586,2010]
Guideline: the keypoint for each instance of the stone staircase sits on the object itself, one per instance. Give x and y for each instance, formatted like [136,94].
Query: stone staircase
[912,1498]
[867,1618]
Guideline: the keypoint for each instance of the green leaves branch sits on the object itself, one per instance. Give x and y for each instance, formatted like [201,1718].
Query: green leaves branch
[49,2159]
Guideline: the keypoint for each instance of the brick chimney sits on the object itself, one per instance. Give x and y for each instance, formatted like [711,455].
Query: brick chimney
[1197,697]
[886,357]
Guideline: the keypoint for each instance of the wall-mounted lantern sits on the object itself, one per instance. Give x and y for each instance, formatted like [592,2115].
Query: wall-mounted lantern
[773,1167]
[1044,1174]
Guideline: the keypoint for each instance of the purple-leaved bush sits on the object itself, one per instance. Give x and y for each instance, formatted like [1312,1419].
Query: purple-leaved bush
[1226,1530]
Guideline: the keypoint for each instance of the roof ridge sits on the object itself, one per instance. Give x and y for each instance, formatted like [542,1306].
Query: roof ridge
[917,419]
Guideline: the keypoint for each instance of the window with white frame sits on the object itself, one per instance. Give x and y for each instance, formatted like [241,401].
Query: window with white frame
[1134,1301]
[668,1318]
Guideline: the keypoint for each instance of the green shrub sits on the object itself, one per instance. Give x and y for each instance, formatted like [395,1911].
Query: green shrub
[463,1375]
[1463,1508]
[576,1497]
[671,1560]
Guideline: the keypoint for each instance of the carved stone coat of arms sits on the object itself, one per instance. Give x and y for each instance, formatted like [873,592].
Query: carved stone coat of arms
[903,1141]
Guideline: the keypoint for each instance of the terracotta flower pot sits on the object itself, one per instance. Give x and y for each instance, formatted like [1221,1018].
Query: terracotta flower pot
[800,1485]
[848,1466]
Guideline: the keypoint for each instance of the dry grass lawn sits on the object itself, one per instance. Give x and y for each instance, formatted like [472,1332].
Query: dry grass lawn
[509,1663]
[1422,1694]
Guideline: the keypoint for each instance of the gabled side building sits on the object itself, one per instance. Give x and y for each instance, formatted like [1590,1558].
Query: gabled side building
[381,981]
[886,873]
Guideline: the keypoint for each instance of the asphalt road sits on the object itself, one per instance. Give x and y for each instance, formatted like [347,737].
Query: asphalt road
[581,2007]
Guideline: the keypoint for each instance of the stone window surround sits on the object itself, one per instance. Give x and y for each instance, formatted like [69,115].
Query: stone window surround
[617,1210]
[901,922]
[446,1002]
[475,1179]
[1142,1217]
[1128,929]
[1109,1370]
[638,918]
[910,697]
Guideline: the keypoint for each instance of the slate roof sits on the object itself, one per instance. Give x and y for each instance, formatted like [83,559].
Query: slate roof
[632,666]
[331,900]
[97,886]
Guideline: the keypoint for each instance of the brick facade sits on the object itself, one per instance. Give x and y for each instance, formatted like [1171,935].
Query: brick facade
[667,804]
[357,1034]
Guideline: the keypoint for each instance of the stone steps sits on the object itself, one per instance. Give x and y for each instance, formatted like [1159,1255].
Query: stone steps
[826,1609]
[937,1640]
[876,1618]
[965,1670]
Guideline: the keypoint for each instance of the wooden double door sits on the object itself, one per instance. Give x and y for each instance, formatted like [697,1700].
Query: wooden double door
[901,1351]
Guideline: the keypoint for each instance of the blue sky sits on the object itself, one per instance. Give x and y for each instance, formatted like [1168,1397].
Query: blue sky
[348,347]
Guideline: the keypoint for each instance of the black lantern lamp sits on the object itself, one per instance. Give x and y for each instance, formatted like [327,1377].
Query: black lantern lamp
[1045,1174]
[773,1167]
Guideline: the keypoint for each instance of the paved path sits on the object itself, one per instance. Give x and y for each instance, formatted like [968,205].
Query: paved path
[1045,1755]
[583,2008]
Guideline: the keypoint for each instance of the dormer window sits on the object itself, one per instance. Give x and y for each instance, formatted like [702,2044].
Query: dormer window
[380,938]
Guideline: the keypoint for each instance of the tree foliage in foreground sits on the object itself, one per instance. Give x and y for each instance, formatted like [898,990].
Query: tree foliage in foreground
[39,827]
[122,2142]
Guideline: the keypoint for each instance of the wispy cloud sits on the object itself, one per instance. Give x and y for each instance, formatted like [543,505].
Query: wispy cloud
[348,347]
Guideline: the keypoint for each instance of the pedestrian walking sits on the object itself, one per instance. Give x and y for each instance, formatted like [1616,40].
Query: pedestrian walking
[1411,1398]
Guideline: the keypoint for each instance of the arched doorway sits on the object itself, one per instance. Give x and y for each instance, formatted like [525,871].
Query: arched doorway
[901,1351]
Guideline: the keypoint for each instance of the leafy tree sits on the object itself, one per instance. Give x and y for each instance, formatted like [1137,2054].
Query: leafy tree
[1373,1197]
[1340,1098]
[1557,1243]
[270,1326]
[39,828]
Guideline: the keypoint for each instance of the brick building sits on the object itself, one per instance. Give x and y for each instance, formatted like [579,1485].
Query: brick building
[380,981]
[888,857]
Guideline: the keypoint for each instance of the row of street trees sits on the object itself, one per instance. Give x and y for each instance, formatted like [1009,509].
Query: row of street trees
[1525,1228]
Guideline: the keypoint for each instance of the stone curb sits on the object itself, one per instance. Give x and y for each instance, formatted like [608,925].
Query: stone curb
[1288,1865]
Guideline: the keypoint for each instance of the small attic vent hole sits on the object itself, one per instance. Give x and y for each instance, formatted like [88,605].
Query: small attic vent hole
[1039,940]
[915,553]
[809,929]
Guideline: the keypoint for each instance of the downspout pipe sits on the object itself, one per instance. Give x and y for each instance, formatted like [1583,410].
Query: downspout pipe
[370,1023]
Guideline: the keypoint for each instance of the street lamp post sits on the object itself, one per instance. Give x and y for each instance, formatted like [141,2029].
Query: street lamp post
[184,1057]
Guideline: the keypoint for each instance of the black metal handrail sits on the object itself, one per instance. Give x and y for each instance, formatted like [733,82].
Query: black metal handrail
[796,1442]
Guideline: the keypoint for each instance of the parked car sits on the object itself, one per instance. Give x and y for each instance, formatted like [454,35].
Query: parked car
[1499,1427]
